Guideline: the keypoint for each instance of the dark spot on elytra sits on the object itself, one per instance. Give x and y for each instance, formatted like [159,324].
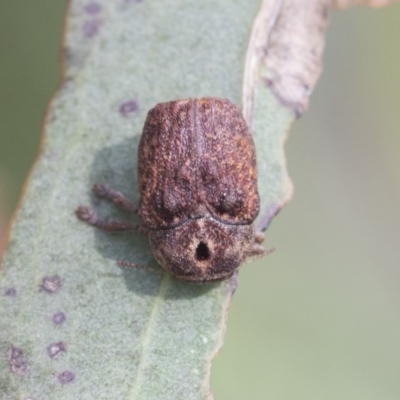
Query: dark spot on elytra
[202,252]
[66,377]
[55,349]
[128,108]
[11,292]
[17,361]
[91,28]
[59,318]
[50,284]
[93,8]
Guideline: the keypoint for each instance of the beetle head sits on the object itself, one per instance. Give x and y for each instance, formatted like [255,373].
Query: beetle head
[203,249]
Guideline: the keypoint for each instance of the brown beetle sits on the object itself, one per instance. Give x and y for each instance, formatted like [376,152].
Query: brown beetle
[198,186]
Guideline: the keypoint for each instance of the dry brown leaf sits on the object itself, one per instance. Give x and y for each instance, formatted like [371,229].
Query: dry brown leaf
[286,46]
[292,57]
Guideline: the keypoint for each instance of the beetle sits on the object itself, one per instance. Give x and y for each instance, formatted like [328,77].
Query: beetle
[198,190]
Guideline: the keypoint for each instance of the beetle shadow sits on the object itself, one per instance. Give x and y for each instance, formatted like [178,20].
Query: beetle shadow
[116,166]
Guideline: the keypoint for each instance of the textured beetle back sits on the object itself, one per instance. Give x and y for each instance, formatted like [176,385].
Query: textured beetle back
[197,158]
[227,162]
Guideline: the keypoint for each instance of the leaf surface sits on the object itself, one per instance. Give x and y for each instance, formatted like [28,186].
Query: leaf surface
[73,324]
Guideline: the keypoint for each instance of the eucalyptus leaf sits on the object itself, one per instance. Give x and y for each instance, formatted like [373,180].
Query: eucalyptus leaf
[73,324]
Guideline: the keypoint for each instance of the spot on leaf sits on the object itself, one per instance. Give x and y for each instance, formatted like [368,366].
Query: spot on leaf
[128,108]
[66,377]
[59,318]
[50,284]
[55,349]
[17,361]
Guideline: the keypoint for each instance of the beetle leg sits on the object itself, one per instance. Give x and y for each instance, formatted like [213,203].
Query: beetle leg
[138,266]
[259,237]
[103,191]
[258,251]
[89,215]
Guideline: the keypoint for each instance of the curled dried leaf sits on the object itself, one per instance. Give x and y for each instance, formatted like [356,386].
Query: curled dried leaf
[287,44]
[292,56]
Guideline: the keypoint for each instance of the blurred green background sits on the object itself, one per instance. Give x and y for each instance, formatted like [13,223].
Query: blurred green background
[319,318]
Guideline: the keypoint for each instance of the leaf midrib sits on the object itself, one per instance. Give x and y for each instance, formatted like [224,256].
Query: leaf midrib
[145,338]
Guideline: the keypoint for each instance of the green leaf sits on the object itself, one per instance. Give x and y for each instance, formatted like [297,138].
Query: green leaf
[73,324]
